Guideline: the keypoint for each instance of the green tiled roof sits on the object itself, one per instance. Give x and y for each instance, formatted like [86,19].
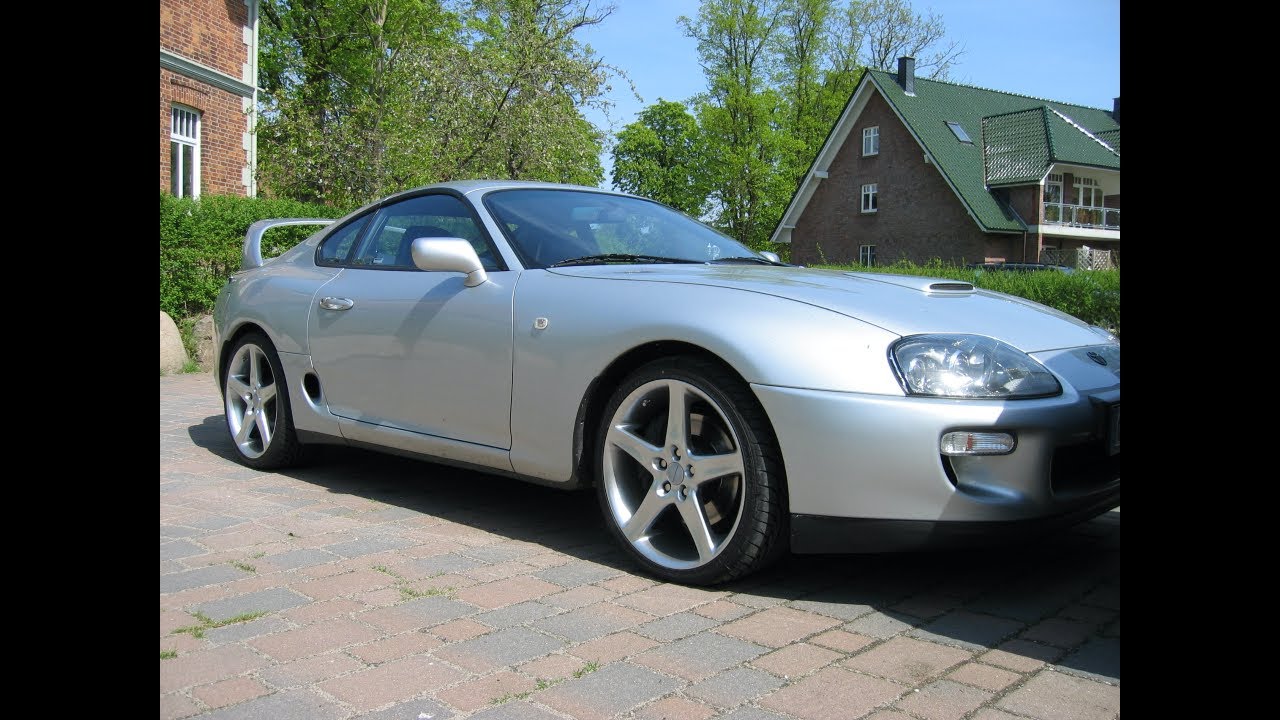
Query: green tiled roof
[1056,140]
[1110,137]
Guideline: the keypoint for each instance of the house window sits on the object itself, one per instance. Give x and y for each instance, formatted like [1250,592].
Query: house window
[871,140]
[867,255]
[959,132]
[869,201]
[1088,192]
[184,152]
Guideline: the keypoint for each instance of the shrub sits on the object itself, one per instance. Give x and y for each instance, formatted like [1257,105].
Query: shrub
[201,242]
[1090,295]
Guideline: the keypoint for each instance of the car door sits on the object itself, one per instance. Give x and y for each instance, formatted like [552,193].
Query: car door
[401,348]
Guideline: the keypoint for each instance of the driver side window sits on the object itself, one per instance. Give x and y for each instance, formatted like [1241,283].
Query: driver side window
[388,243]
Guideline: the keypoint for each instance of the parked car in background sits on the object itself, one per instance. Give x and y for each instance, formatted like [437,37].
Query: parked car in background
[725,407]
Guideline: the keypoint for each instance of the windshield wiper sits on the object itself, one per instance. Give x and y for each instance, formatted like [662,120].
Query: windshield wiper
[744,259]
[618,258]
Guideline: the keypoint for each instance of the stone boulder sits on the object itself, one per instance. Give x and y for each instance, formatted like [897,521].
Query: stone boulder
[203,333]
[173,357]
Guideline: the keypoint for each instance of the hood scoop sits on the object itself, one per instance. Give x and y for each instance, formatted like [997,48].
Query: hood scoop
[932,286]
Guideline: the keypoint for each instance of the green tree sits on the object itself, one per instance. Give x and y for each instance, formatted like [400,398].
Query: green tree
[886,30]
[368,97]
[660,156]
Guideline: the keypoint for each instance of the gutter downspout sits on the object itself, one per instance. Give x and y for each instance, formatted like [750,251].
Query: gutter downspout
[253,108]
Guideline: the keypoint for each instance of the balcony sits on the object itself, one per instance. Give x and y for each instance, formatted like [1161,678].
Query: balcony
[1080,216]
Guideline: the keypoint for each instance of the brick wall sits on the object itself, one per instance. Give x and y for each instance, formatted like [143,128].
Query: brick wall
[222,127]
[919,216]
[210,32]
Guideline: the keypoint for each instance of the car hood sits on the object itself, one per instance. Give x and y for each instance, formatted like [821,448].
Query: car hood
[901,304]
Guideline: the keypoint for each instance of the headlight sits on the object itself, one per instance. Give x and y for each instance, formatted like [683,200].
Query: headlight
[969,366]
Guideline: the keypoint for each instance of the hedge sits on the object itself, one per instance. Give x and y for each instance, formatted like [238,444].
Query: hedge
[1091,295]
[201,242]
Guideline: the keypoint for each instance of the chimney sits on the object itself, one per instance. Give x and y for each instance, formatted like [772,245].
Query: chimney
[1115,111]
[907,74]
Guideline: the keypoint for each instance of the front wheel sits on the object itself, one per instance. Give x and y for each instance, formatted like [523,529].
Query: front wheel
[256,398]
[690,477]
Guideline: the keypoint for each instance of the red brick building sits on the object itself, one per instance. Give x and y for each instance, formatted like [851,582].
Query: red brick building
[917,169]
[208,96]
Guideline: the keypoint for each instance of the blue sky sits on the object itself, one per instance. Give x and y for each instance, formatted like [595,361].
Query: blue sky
[1065,51]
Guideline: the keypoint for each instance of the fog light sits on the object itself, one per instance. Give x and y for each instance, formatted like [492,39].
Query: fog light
[977,443]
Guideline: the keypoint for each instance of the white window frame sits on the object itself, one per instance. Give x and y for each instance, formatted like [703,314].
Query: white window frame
[867,255]
[871,198]
[184,132]
[1090,187]
[871,140]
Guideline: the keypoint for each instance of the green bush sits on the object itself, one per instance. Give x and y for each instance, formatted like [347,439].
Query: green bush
[1091,295]
[201,242]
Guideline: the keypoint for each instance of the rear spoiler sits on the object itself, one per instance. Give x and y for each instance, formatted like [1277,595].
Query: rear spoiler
[252,257]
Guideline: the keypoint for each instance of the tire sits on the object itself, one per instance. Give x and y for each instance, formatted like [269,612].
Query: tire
[255,398]
[698,506]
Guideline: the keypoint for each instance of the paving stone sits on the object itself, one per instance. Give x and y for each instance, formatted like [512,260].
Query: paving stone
[907,660]
[298,558]
[175,707]
[344,584]
[460,629]
[607,692]
[179,549]
[395,647]
[206,666]
[309,670]
[722,610]
[515,711]
[878,625]
[394,681]
[734,687]
[984,676]
[214,522]
[201,577]
[577,597]
[845,642]
[490,689]
[230,692]
[552,667]
[613,647]
[751,713]
[832,694]
[970,630]
[518,614]
[592,621]
[323,610]
[700,656]
[944,700]
[417,613]
[494,554]
[674,708]
[1021,656]
[499,649]
[507,592]
[443,564]
[1098,658]
[1059,632]
[1055,696]
[778,626]
[796,660]
[577,573]
[674,627]
[292,705]
[418,709]
[313,639]
[239,632]
[667,599]
[272,600]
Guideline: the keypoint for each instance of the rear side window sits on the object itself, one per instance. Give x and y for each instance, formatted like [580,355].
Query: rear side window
[337,247]
[395,227]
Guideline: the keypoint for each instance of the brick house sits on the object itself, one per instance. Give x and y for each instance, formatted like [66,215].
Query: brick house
[208,93]
[918,169]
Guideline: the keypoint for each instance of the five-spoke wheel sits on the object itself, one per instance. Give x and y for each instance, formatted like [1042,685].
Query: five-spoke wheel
[688,472]
[257,405]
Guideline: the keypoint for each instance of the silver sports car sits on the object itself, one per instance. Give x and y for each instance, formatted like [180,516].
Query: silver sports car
[726,407]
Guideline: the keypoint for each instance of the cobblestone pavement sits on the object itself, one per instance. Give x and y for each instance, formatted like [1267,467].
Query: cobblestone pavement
[372,586]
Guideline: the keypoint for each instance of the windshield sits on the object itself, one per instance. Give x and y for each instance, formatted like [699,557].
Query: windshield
[547,227]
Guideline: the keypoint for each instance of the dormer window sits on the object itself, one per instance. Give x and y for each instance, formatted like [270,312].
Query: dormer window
[959,132]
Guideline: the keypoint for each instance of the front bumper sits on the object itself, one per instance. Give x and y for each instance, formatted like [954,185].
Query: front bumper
[864,472]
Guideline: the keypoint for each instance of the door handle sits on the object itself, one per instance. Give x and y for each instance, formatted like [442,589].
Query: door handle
[336,303]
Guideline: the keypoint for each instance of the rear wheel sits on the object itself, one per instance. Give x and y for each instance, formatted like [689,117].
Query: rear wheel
[256,398]
[690,478]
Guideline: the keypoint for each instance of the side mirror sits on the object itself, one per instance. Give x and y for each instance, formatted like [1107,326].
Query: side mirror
[773,256]
[449,254]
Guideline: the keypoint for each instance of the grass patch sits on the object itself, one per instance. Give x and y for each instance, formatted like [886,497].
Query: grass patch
[244,566]
[509,697]
[409,593]
[257,555]
[208,623]
[168,654]
[588,668]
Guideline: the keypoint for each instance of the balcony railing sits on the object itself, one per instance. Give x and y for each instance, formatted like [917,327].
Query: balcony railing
[1101,218]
